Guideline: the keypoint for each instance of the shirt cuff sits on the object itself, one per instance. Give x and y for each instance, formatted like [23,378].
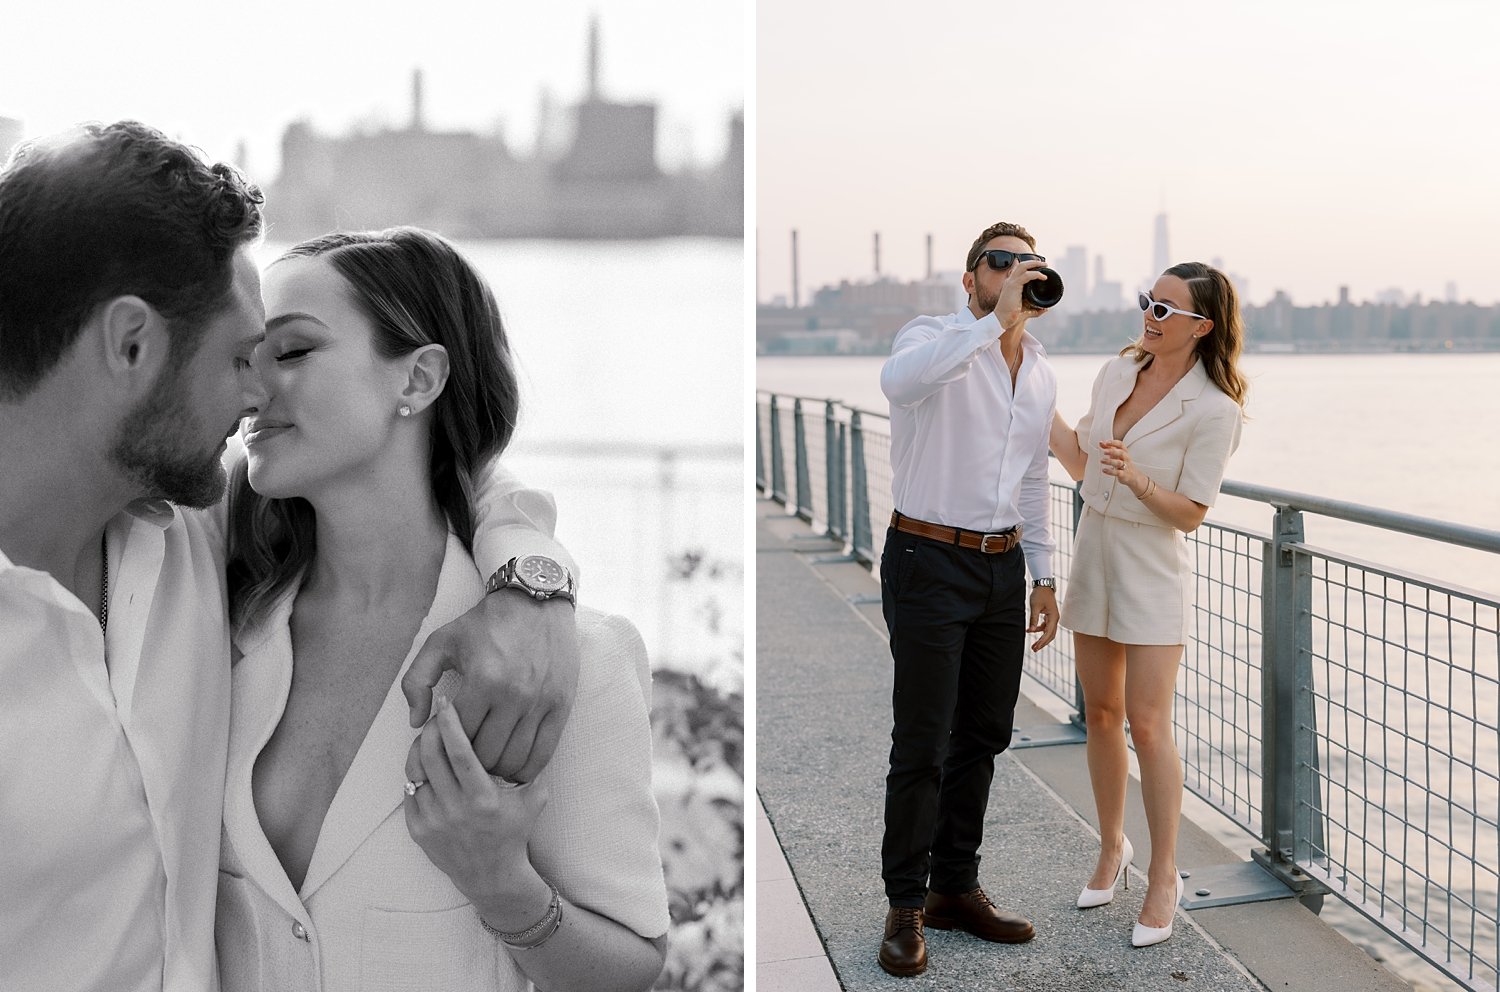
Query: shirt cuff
[1039,564]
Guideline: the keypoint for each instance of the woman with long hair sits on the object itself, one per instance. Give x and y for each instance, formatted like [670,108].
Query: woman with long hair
[359,853]
[1151,451]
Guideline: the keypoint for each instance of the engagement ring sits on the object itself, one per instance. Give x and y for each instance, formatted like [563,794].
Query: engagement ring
[413,786]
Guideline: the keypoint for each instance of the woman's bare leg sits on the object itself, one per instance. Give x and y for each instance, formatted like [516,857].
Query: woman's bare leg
[1150,688]
[1101,672]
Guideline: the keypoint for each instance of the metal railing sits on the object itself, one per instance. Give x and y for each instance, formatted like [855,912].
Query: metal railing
[1345,712]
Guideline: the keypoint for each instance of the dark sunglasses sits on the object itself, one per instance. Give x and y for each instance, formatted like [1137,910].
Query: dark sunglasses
[1161,311]
[1000,259]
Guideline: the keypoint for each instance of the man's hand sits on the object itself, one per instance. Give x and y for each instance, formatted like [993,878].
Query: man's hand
[519,661]
[1011,309]
[1043,616]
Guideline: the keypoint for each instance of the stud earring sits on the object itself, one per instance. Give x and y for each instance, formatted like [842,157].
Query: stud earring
[404,410]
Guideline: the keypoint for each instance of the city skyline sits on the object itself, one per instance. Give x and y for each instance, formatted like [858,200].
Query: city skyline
[1308,145]
[485,68]
[1101,287]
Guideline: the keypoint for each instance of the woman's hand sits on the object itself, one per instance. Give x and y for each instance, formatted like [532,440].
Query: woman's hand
[469,825]
[1115,460]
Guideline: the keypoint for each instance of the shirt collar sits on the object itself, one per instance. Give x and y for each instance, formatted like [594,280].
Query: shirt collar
[158,512]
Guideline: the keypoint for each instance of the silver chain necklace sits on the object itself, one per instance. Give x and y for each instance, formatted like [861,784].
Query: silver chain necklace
[104,588]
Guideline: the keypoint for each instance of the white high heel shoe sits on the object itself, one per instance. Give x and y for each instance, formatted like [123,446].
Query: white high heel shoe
[1144,936]
[1089,898]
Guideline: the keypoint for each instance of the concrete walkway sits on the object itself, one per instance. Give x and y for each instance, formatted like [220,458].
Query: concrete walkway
[823,733]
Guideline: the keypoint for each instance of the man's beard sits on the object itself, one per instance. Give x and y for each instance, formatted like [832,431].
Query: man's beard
[154,447]
[985,303]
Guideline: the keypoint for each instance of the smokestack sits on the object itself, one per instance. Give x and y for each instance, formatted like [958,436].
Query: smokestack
[796,290]
[416,99]
[929,256]
[877,254]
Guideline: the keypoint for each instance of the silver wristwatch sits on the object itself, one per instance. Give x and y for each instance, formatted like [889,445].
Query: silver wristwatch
[1047,583]
[536,575]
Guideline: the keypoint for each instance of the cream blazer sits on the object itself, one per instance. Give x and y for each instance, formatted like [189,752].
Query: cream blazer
[374,913]
[1183,443]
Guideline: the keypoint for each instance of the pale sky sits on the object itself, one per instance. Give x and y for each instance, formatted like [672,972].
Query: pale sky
[1308,144]
[216,73]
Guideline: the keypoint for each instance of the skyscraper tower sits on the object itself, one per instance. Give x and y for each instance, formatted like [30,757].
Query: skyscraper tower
[1161,256]
[796,288]
[594,58]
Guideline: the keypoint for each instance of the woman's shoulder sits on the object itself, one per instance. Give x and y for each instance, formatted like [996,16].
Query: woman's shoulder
[611,651]
[1214,402]
[1119,365]
[608,631]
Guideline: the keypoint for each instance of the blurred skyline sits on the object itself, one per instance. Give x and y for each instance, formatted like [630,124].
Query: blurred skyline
[1309,145]
[229,74]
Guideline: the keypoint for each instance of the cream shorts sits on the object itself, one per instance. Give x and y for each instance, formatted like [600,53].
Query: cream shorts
[1129,582]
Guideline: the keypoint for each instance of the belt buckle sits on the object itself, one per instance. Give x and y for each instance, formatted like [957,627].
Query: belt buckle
[984,543]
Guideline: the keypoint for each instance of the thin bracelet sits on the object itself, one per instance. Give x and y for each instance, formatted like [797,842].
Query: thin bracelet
[1150,489]
[538,933]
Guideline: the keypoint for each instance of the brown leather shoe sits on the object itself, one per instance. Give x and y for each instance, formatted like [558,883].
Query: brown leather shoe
[903,953]
[973,913]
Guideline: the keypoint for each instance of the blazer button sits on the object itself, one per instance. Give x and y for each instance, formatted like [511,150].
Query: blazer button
[299,931]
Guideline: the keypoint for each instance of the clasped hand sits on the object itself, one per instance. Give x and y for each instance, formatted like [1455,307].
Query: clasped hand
[1115,460]
[471,827]
[519,659]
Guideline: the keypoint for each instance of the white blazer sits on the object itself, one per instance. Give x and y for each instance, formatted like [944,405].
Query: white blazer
[373,912]
[1183,443]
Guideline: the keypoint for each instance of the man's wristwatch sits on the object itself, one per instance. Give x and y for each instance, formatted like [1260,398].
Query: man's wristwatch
[1047,583]
[536,575]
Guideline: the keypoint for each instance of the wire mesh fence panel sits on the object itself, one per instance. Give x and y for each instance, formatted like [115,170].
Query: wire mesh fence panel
[1218,709]
[1406,697]
[786,428]
[1052,666]
[876,429]
[816,462]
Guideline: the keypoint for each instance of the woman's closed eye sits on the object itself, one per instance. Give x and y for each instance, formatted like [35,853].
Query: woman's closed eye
[292,354]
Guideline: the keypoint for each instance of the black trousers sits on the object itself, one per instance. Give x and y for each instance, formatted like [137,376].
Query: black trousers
[957,620]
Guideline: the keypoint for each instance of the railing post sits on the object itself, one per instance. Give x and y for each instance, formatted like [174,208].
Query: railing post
[760,458]
[1080,717]
[863,543]
[830,467]
[1289,753]
[778,471]
[804,486]
[841,461]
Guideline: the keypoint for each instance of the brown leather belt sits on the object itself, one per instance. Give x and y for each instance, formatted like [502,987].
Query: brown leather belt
[990,544]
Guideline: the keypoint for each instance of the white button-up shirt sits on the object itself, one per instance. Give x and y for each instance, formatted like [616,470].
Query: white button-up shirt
[109,828]
[112,787]
[967,449]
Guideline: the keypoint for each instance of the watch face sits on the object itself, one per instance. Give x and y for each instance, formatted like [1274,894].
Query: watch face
[541,573]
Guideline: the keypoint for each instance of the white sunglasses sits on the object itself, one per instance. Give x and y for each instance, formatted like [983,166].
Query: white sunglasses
[1160,310]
